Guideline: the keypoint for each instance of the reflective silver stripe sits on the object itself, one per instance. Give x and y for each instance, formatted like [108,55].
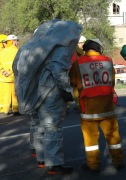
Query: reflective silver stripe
[91,148]
[95,116]
[116,146]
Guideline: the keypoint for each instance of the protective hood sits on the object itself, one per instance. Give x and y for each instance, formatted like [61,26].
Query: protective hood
[40,62]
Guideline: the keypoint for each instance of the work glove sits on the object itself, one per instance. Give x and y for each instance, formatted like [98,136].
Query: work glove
[67,96]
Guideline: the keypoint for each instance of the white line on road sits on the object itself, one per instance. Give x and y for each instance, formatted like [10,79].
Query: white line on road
[27,134]
[13,136]
[71,126]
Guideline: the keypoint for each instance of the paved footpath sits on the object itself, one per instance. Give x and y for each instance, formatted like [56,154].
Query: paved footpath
[121,92]
[16,162]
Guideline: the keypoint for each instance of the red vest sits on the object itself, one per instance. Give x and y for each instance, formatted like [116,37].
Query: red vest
[74,57]
[96,75]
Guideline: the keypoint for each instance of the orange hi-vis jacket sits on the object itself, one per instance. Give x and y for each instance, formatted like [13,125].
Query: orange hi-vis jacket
[94,77]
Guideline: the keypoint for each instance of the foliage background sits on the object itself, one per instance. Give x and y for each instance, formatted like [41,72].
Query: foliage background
[22,17]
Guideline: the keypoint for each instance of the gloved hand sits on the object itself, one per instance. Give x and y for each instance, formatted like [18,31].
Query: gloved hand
[67,96]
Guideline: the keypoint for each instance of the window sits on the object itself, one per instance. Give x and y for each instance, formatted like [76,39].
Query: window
[116,9]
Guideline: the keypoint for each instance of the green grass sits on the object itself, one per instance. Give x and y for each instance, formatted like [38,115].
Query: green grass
[120,86]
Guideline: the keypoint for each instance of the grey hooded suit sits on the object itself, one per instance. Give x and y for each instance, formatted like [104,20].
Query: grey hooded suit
[41,72]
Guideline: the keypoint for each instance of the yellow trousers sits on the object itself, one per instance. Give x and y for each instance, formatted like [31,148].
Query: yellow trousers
[76,97]
[91,135]
[9,98]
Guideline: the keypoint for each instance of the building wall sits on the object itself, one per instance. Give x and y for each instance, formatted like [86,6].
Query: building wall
[117,58]
[118,21]
[117,18]
[120,35]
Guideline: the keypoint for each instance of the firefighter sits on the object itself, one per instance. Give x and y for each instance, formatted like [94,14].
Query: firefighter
[2,46]
[80,45]
[79,52]
[42,84]
[12,40]
[93,75]
[7,56]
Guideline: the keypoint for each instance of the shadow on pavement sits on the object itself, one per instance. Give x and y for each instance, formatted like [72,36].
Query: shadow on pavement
[16,162]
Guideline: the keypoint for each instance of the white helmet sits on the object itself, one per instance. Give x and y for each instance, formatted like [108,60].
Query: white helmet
[82,39]
[12,37]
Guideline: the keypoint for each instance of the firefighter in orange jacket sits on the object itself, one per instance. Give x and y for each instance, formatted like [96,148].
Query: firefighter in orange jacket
[93,75]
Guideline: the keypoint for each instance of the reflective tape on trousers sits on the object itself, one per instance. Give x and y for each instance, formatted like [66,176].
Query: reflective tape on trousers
[116,146]
[95,116]
[91,148]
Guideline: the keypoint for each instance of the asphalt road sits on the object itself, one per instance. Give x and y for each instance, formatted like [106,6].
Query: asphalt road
[16,162]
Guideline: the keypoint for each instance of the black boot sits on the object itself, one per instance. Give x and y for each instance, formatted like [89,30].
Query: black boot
[16,114]
[59,169]
[33,152]
[87,168]
[41,164]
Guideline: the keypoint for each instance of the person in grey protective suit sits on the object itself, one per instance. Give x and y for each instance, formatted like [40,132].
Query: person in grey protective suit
[43,88]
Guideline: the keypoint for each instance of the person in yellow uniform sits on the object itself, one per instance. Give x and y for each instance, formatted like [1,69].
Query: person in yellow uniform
[3,38]
[93,75]
[7,56]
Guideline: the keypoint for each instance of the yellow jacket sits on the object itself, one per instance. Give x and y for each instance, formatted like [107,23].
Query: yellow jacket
[93,105]
[79,52]
[7,56]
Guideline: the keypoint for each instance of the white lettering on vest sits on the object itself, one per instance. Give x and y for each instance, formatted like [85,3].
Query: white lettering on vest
[96,73]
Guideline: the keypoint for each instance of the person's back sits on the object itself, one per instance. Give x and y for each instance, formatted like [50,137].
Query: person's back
[93,83]
[92,80]
[93,74]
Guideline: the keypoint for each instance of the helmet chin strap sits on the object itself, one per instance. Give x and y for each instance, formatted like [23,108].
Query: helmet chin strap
[3,43]
[101,50]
